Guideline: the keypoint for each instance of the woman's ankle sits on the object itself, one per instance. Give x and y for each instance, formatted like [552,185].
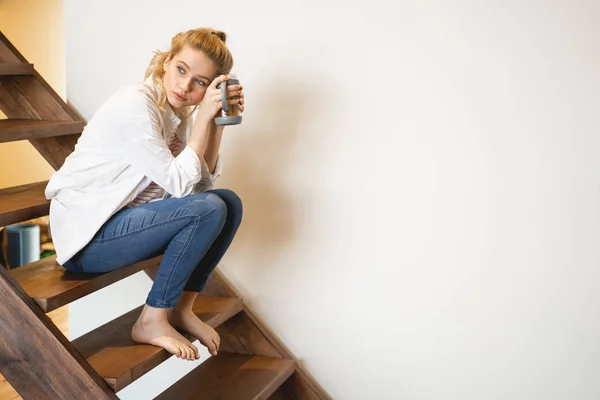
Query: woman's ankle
[186,302]
[153,314]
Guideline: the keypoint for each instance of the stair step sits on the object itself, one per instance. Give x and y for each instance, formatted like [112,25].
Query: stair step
[232,377]
[22,203]
[16,69]
[51,286]
[120,360]
[14,129]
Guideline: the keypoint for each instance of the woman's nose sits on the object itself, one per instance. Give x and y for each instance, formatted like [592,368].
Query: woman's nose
[186,84]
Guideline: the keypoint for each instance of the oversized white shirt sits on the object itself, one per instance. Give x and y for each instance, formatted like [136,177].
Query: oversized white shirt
[122,149]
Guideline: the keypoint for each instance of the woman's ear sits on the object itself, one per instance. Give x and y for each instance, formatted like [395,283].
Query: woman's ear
[166,63]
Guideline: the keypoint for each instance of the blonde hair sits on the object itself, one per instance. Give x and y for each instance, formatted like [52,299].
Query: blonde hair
[207,40]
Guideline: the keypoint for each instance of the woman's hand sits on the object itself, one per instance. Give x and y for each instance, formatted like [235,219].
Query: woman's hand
[211,103]
[235,95]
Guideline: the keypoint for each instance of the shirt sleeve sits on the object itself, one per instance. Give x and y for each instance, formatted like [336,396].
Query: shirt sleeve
[208,180]
[145,149]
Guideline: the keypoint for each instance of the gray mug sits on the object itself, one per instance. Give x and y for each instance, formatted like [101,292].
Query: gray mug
[230,114]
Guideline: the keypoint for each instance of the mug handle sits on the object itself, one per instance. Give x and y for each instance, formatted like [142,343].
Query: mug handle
[224,102]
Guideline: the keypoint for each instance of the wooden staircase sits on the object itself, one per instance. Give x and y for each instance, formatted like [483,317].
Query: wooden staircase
[40,362]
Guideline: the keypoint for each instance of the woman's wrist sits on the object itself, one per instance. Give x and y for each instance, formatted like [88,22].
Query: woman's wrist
[204,120]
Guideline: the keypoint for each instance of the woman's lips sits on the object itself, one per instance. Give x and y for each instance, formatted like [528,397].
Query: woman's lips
[178,97]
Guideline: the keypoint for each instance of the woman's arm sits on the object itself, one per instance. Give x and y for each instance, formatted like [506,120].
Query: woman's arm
[200,136]
[215,134]
[212,146]
[205,138]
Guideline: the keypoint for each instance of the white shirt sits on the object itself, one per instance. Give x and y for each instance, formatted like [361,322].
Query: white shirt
[122,150]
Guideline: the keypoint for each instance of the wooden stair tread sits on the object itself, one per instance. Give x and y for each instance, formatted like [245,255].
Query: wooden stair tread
[22,203]
[14,129]
[52,286]
[232,377]
[16,69]
[120,360]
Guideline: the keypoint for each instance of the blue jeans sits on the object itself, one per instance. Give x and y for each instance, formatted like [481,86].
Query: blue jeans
[193,232]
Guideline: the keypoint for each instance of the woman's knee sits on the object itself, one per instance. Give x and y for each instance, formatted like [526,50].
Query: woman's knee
[233,202]
[219,205]
[208,205]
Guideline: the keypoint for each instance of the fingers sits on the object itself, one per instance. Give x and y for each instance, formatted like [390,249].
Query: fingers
[234,101]
[218,80]
[235,94]
[234,91]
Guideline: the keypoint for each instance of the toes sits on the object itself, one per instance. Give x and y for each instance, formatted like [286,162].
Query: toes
[196,352]
[193,353]
[183,352]
[178,352]
[190,354]
[212,349]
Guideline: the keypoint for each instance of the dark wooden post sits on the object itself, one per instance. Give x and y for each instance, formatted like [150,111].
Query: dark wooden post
[35,357]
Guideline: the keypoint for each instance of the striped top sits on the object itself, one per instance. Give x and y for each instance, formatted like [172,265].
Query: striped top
[153,190]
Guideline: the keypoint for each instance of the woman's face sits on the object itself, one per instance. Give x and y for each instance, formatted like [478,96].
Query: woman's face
[187,76]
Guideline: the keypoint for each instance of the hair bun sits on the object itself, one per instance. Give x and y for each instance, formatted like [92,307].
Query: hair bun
[220,35]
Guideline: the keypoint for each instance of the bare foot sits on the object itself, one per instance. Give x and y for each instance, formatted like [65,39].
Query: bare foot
[162,334]
[189,322]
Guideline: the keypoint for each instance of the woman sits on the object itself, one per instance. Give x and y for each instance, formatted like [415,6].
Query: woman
[139,184]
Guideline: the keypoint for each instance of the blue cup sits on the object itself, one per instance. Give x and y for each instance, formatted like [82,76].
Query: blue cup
[22,244]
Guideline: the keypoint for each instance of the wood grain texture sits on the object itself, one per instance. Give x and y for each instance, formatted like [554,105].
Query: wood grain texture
[30,97]
[120,360]
[12,130]
[247,334]
[8,53]
[55,149]
[52,286]
[231,377]
[296,388]
[16,69]
[24,97]
[22,203]
[35,357]
[60,318]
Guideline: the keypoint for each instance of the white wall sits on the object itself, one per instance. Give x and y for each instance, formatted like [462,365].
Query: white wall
[420,178]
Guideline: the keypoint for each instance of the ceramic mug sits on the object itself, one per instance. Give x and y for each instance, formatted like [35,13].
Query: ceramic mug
[230,113]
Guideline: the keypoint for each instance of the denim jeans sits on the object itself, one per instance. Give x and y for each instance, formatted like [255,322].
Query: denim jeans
[193,232]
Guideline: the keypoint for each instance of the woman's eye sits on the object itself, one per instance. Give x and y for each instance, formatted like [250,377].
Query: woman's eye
[199,82]
[181,71]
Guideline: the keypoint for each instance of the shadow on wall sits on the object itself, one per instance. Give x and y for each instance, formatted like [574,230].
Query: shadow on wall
[260,169]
